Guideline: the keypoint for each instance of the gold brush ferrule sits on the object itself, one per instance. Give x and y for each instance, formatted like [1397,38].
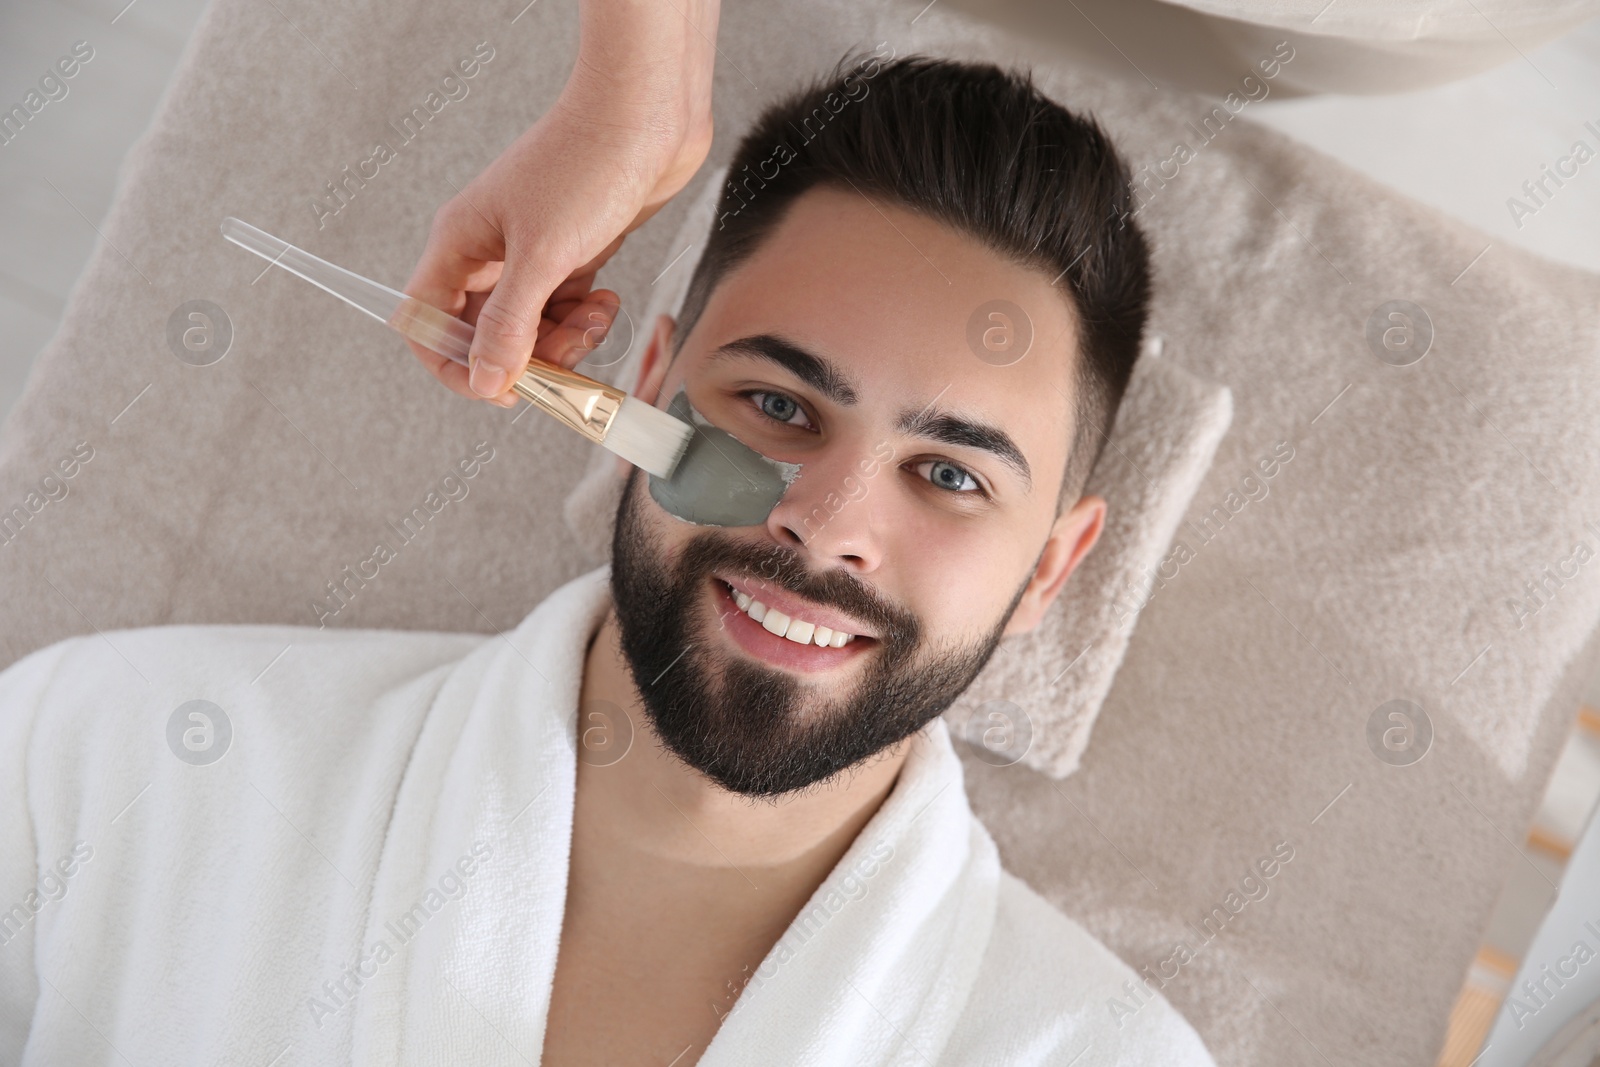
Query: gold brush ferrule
[582,403]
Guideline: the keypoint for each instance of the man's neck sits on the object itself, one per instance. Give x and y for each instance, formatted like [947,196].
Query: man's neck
[655,808]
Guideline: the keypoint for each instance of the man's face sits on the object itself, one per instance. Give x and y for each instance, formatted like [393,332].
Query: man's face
[922,518]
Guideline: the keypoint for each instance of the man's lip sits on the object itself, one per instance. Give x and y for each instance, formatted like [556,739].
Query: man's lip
[776,597]
[756,640]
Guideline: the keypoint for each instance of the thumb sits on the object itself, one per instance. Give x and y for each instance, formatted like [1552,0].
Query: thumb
[508,323]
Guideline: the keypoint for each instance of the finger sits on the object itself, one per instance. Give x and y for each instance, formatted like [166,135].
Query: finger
[584,328]
[462,257]
[455,378]
[449,373]
[568,296]
[477,283]
[587,323]
[464,252]
[508,322]
[573,289]
[557,312]
[474,304]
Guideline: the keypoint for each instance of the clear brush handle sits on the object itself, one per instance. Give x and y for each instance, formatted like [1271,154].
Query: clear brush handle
[582,403]
[428,326]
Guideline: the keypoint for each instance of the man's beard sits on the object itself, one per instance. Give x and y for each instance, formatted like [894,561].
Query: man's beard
[755,729]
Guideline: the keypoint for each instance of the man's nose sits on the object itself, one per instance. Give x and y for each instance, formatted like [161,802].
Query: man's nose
[829,511]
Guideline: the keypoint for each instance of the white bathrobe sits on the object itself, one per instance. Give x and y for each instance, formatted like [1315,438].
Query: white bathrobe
[374,871]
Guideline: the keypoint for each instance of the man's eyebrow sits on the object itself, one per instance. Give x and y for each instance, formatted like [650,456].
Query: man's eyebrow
[823,376]
[809,367]
[963,432]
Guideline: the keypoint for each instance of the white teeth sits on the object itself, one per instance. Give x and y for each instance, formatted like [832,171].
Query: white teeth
[799,631]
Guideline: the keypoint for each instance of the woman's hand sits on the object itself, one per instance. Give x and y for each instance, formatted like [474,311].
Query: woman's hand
[516,251]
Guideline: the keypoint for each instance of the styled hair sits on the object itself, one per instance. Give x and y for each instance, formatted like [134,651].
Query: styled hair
[980,149]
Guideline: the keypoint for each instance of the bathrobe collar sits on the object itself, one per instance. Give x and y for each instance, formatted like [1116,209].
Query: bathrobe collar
[466,912]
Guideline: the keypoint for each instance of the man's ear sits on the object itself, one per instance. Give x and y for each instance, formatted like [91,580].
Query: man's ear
[653,368]
[1071,537]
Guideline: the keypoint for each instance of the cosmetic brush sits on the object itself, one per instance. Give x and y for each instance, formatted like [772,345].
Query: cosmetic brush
[642,434]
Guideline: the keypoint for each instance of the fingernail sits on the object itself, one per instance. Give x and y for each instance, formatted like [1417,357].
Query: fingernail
[486,378]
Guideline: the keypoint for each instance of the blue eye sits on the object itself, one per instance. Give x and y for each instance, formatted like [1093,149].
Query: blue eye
[950,477]
[779,407]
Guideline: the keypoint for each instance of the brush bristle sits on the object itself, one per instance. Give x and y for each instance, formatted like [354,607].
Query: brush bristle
[648,437]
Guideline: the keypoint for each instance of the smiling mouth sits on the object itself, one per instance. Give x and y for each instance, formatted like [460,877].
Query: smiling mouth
[795,629]
[784,640]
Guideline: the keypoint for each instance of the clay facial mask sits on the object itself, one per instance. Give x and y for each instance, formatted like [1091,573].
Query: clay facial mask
[720,482]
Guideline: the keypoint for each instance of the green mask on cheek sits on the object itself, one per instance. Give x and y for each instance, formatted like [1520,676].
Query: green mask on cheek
[719,481]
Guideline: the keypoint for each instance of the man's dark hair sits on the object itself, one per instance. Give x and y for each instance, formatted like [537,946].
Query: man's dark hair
[979,149]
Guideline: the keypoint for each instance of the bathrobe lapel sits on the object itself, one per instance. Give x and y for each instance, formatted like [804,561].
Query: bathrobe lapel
[471,886]
[494,768]
[877,967]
